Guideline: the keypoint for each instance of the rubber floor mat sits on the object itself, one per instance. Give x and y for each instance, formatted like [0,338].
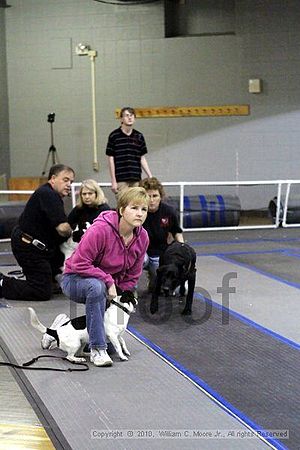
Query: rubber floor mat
[251,370]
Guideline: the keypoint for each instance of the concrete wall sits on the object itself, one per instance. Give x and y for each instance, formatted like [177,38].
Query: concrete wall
[137,65]
[4,132]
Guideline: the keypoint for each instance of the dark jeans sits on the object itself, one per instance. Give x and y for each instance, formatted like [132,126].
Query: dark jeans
[38,266]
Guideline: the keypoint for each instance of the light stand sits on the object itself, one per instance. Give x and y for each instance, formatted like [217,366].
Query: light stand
[52,150]
[85,50]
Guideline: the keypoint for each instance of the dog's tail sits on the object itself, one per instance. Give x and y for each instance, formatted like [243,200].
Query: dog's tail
[35,321]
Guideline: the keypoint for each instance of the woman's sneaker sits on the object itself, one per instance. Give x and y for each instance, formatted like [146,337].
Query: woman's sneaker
[100,358]
[48,340]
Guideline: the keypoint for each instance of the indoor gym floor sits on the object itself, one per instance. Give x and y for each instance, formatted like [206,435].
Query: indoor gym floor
[209,381]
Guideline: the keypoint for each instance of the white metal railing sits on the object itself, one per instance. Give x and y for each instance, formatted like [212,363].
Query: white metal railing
[286,204]
[182,185]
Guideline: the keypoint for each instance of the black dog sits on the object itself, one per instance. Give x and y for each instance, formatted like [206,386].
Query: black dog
[176,266]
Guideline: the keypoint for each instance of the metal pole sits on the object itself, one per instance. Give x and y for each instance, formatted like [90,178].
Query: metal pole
[92,55]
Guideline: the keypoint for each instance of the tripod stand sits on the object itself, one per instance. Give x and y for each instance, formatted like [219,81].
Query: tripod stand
[52,150]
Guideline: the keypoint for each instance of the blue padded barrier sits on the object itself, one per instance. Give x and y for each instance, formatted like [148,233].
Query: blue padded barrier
[201,211]
[293,210]
[9,215]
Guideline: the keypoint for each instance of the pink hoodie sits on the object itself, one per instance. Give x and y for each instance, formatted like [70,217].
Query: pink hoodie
[102,254]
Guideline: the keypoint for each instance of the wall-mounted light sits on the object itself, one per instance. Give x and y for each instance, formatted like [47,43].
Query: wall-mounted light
[85,50]
[255,86]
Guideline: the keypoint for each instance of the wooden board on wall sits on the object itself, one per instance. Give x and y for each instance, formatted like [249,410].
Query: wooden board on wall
[24,184]
[190,111]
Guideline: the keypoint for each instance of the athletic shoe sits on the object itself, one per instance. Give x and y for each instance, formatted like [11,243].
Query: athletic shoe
[48,340]
[100,358]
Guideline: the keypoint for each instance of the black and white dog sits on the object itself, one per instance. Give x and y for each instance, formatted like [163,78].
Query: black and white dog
[72,335]
[69,246]
[176,266]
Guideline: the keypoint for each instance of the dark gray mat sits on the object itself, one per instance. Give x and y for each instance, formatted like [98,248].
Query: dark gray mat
[284,264]
[252,371]
[142,394]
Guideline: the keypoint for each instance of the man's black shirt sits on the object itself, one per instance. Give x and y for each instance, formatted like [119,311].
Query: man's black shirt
[43,212]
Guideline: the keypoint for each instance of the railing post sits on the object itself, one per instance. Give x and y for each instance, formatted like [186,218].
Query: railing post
[287,194]
[181,205]
[278,206]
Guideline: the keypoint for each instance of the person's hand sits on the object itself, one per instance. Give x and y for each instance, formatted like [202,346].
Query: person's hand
[114,187]
[111,292]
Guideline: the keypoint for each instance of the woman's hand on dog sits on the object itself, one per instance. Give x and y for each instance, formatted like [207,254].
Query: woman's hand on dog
[111,292]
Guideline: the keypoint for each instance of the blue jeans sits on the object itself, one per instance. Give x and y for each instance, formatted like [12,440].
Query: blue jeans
[151,264]
[91,292]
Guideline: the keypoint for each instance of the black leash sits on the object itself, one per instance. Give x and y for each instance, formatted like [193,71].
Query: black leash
[26,365]
[121,307]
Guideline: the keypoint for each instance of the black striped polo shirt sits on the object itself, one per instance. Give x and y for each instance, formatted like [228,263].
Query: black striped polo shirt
[127,152]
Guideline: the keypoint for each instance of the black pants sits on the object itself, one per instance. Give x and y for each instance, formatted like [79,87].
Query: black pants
[39,268]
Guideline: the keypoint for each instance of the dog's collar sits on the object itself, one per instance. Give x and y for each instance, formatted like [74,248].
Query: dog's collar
[120,306]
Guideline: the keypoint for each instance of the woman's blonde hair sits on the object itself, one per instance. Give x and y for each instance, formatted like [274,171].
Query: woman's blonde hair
[136,195]
[93,186]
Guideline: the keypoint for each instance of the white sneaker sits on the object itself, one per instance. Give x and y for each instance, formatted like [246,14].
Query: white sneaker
[100,357]
[48,340]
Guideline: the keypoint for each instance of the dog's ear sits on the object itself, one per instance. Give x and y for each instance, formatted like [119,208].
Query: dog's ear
[127,297]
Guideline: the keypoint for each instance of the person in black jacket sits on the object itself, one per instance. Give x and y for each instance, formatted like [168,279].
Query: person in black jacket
[35,240]
[91,202]
[161,224]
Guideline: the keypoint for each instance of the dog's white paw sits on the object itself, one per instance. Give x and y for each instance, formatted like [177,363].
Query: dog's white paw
[123,358]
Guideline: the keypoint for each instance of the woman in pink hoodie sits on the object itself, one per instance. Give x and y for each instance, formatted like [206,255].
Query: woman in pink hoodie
[109,256]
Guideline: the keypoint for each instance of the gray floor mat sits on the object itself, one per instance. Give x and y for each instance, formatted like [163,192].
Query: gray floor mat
[248,369]
[279,264]
[142,394]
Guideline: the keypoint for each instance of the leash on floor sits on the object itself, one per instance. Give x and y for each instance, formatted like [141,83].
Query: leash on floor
[26,365]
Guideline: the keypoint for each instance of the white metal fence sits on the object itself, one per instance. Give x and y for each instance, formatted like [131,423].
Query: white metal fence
[281,194]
